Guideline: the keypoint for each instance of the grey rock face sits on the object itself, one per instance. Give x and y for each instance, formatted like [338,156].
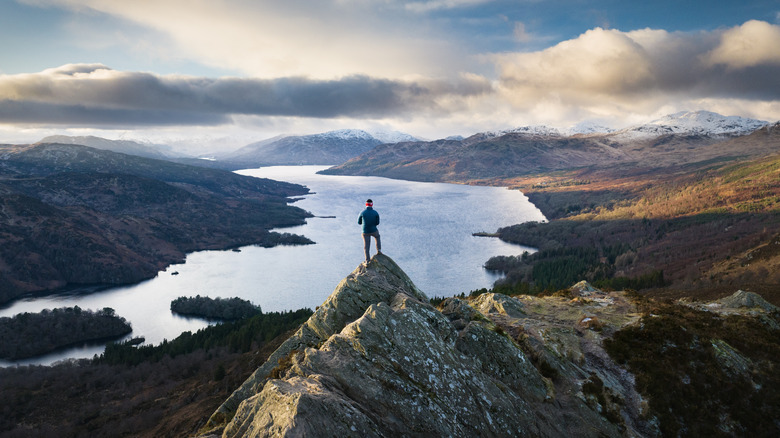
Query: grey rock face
[377,359]
[378,282]
[740,303]
[742,299]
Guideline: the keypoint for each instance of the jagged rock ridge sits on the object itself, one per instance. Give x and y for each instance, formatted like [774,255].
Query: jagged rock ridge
[376,359]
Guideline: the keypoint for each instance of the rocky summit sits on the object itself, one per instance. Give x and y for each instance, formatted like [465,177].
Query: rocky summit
[377,359]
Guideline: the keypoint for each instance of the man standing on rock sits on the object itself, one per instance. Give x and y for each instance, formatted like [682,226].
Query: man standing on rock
[369,218]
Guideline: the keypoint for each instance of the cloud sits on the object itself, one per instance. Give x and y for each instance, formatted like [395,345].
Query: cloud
[433,5]
[93,93]
[322,39]
[755,43]
[411,63]
[610,71]
[25,113]
[521,34]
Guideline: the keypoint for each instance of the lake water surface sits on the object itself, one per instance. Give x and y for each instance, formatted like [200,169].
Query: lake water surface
[425,227]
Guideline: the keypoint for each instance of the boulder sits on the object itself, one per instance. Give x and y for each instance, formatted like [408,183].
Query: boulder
[749,300]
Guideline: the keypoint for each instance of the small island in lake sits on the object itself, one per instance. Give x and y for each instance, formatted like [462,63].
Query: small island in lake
[33,334]
[214,308]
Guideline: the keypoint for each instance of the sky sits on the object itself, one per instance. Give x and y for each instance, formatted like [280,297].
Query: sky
[222,72]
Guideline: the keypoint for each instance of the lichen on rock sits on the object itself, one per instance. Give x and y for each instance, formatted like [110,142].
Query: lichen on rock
[376,359]
[378,281]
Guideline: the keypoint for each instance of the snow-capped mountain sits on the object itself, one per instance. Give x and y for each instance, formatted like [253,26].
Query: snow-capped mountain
[683,123]
[694,123]
[332,147]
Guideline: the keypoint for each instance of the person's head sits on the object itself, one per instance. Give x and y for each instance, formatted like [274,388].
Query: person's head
[369,203]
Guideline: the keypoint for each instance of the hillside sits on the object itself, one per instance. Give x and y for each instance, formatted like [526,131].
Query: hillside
[159,152]
[701,231]
[48,159]
[376,359]
[672,141]
[76,215]
[478,157]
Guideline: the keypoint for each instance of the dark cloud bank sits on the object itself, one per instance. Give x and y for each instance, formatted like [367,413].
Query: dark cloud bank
[96,95]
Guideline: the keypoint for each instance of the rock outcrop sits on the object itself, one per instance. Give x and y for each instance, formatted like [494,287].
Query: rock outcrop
[740,303]
[376,359]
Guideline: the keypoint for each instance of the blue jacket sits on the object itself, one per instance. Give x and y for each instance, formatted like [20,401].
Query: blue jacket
[370,219]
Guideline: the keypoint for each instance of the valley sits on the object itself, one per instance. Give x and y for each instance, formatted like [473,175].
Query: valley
[669,229]
[579,201]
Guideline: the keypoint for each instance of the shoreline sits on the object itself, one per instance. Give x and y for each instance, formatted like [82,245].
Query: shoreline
[75,289]
[89,289]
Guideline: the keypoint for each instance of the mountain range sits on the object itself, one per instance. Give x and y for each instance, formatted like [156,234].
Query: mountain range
[683,122]
[677,139]
[583,143]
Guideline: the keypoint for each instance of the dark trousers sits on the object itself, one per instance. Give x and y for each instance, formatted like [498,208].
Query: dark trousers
[367,243]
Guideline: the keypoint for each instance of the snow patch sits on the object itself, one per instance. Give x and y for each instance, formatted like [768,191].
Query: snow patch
[392,136]
[588,127]
[529,130]
[693,123]
[345,134]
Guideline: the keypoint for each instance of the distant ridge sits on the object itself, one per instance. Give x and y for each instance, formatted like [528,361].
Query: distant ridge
[681,138]
[683,122]
[328,148]
[129,147]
